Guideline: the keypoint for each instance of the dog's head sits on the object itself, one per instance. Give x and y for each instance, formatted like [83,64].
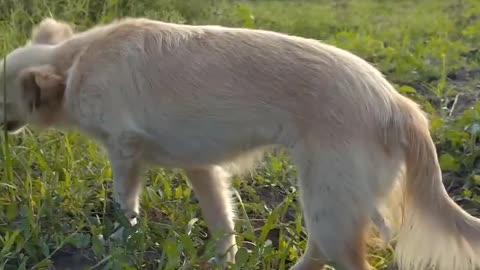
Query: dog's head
[30,87]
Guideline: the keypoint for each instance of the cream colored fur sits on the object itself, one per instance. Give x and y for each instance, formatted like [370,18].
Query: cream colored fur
[51,31]
[204,97]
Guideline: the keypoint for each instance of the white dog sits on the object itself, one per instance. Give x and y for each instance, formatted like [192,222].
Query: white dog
[205,97]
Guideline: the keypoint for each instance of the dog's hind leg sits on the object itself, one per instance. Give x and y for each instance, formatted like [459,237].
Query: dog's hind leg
[311,259]
[335,189]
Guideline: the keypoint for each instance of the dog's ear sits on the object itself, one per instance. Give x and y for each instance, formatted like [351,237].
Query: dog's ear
[50,31]
[41,87]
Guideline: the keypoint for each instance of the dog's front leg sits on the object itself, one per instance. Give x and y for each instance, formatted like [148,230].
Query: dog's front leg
[126,165]
[211,187]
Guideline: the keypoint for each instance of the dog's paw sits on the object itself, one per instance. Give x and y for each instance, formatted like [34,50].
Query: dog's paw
[116,237]
[217,263]
[108,241]
[220,262]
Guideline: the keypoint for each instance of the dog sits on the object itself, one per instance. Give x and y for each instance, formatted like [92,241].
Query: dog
[208,99]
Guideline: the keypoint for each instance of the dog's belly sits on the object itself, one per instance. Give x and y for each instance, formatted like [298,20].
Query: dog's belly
[195,156]
[189,146]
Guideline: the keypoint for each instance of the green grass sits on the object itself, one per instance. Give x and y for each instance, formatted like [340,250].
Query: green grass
[55,188]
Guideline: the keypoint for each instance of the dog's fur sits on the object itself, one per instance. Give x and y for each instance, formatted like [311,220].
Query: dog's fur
[203,97]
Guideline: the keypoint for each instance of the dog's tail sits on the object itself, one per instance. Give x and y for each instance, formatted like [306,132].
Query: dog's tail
[435,232]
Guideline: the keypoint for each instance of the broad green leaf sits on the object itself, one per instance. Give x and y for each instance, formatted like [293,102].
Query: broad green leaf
[448,162]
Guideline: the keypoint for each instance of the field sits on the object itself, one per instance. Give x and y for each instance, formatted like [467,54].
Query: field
[55,188]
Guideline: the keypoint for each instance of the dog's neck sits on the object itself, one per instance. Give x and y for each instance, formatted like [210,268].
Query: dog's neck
[64,57]
[66,52]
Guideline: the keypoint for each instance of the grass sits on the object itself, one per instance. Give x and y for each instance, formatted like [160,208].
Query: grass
[55,188]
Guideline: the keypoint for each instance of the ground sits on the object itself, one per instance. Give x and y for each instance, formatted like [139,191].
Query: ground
[55,188]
